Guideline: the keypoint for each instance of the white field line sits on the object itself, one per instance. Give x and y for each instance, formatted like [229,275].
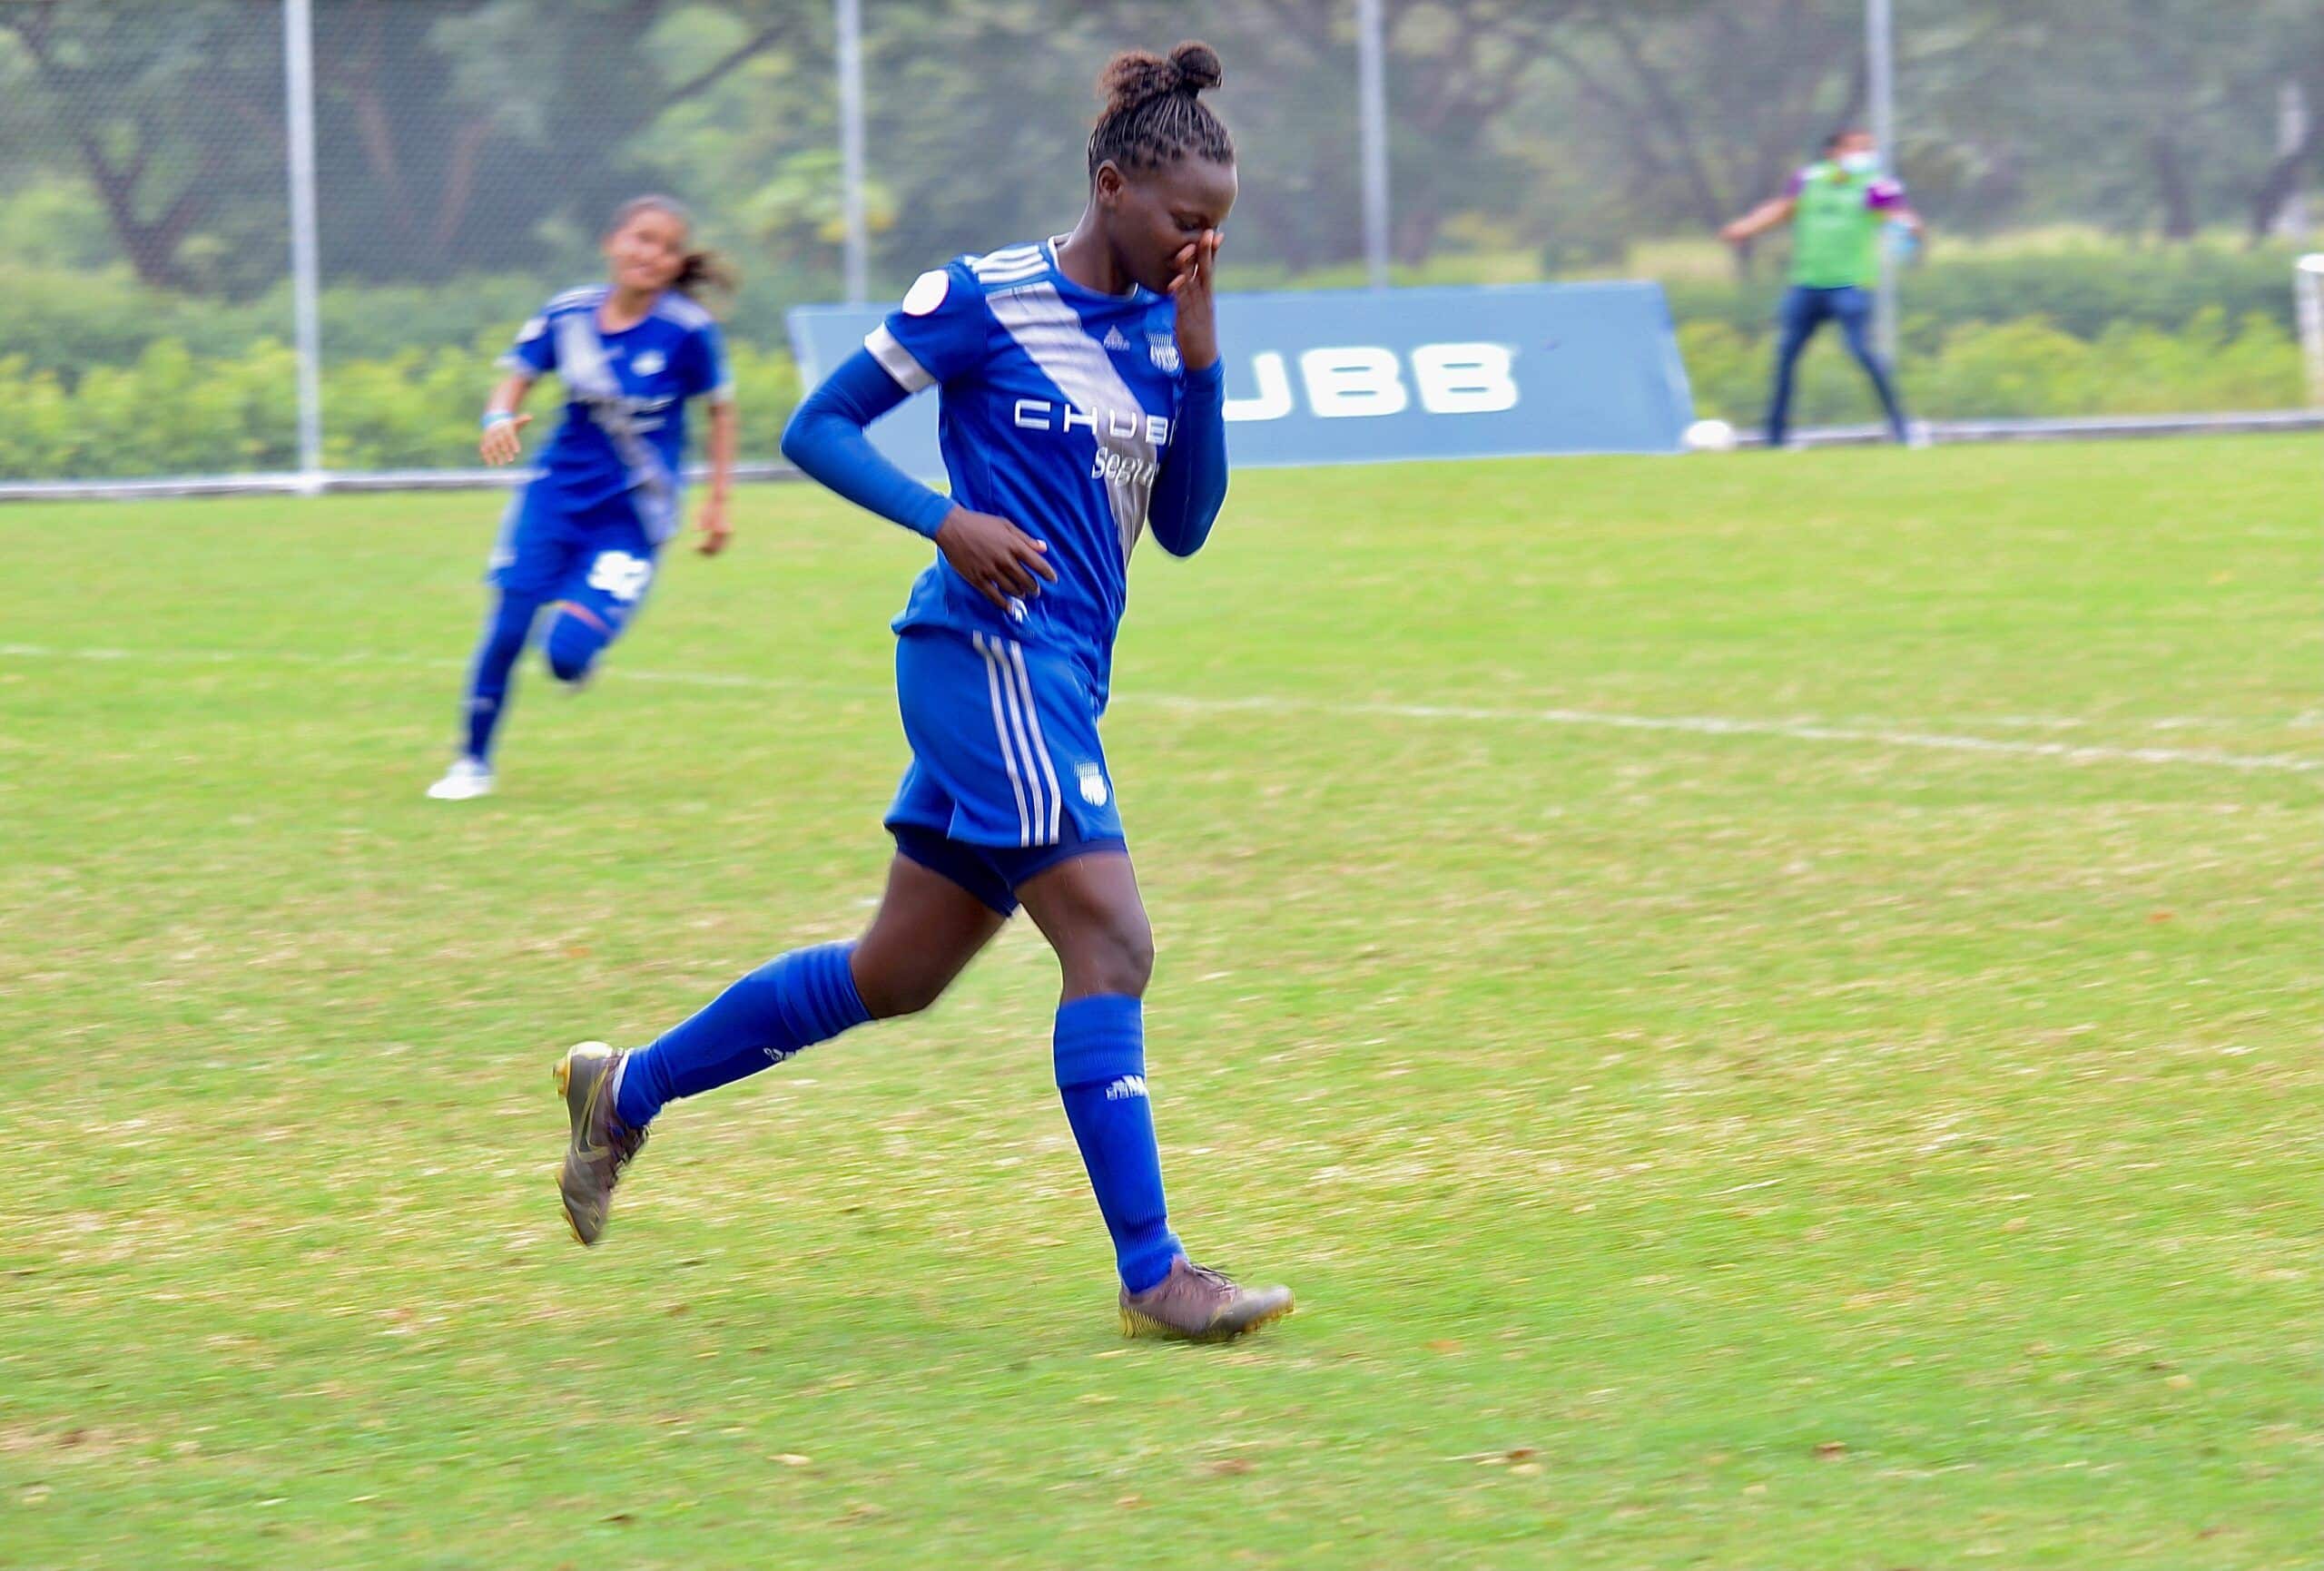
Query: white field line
[1796,731]
[1690,725]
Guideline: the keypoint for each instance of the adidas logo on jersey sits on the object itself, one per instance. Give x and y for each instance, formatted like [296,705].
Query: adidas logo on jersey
[1128,1087]
[1114,339]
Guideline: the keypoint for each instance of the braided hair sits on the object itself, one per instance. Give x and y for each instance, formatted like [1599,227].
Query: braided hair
[1152,116]
[701,272]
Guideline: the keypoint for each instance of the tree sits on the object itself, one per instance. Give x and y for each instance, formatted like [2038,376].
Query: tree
[172,114]
[451,133]
[1707,107]
[447,134]
[2135,112]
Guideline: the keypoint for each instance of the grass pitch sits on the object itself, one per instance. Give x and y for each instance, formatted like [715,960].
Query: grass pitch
[1768,1006]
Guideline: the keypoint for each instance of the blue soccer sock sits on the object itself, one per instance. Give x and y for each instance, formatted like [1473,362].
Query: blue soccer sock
[1101,1075]
[576,636]
[793,1002]
[496,661]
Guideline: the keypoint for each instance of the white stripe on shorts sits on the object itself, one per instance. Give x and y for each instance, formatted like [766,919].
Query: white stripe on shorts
[1000,731]
[1042,810]
[1033,717]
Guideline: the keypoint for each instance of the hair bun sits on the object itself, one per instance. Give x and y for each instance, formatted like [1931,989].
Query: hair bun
[1197,66]
[1133,76]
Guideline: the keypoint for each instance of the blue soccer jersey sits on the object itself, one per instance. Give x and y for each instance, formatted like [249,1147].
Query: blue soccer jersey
[1059,408]
[625,429]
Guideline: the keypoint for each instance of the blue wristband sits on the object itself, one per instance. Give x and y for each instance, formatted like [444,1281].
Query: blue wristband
[497,417]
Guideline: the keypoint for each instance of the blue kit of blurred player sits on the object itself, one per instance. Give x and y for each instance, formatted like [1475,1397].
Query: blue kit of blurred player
[582,538]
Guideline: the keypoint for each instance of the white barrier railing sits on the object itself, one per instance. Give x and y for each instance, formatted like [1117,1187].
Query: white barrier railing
[2310,286]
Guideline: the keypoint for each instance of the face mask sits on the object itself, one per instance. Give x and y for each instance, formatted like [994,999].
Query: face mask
[1861,163]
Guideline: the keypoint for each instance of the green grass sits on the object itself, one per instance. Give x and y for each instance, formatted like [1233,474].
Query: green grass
[1753,1150]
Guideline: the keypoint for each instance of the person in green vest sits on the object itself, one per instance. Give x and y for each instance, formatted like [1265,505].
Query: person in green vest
[1837,207]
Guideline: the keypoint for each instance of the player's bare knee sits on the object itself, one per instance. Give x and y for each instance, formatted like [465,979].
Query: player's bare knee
[892,988]
[1114,955]
[895,998]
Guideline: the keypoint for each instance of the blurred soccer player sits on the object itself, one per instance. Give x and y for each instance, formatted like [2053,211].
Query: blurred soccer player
[579,540]
[1837,208]
[1081,406]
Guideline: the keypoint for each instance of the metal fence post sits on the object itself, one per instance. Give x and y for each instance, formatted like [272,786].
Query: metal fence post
[306,267]
[1371,94]
[2291,130]
[1880,70]
[847,27]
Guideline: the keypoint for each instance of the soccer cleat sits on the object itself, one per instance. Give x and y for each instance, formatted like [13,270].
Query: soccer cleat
[468,777]
[602,1143]
[1197,1304]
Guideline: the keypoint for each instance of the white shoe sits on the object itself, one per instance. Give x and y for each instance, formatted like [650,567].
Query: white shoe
[466,778]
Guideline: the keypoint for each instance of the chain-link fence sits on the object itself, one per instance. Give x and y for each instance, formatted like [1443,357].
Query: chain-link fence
[2116,190]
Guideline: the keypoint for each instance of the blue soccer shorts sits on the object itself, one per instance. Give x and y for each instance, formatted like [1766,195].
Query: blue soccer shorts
[596,560]
[1008,778]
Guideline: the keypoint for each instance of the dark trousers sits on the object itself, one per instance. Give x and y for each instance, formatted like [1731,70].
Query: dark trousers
[1804,310]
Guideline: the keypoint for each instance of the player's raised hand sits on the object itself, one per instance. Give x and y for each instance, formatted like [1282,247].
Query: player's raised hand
[500,443]
[711,524]
[1001,560]
[1197,322]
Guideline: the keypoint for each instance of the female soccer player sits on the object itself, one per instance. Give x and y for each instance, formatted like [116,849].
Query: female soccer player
[1081,406]
[581,537]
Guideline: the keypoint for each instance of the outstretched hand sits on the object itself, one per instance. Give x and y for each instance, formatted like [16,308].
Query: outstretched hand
[1198,261]
[992,553]
[500,443]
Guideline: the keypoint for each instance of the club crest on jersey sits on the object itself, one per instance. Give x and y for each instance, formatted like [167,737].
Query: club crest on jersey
[1093,785]
[649,363]
[1163,350]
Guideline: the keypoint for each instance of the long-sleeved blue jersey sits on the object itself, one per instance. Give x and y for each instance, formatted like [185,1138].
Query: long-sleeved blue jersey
[625,425]
[1064,410]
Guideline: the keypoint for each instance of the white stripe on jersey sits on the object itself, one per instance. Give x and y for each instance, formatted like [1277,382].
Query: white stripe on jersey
[1051,334]
[589,378]
[1033,717]
[897,360]
[1007,257]
[689,314]
[1000,731]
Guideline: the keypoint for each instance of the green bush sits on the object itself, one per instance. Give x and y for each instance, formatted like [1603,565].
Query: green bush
[2024,368]
[169,413]
[2085,292]
[175,406]
[68,321]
